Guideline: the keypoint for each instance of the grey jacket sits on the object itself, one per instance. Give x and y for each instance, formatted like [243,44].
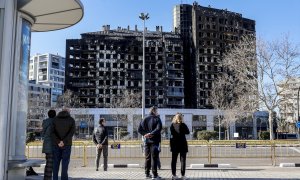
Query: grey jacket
[100,135]
[47,135]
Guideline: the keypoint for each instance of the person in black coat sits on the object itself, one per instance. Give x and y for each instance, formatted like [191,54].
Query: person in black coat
[178,144]
[150,129]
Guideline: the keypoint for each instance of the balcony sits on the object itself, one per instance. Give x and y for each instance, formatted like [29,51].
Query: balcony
[175,94]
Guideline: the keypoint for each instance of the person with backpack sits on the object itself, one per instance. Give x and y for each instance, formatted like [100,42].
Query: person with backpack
[150,128]
[178,144]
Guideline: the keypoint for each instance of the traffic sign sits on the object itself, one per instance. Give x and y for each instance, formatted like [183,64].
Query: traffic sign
[298,124]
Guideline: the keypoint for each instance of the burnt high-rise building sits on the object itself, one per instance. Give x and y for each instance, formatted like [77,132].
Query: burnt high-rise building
[103,65]
[207,33]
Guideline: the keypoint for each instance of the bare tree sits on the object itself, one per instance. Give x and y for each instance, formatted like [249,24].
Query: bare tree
[265,66]
[232,100]
[69,100]
[124,106]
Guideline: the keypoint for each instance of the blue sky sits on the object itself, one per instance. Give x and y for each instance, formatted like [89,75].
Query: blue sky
[273,18]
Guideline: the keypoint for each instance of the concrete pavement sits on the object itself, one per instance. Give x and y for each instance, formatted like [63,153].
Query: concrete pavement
[244,172]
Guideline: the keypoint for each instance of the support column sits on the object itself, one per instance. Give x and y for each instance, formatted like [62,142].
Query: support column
[210,122]
[130,124]
[188,120]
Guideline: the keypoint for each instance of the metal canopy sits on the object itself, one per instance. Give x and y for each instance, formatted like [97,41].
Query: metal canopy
[52,15]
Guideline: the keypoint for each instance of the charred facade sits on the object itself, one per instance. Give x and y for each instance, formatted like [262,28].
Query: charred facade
[103,65]
[207,33]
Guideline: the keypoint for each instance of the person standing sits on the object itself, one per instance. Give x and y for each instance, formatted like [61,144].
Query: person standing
[100,138]
[63,131]
[150,127]
[47,143]
[178,144]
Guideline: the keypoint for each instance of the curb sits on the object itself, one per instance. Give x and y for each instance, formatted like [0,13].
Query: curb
[122,165]
[289,165]
[197,166]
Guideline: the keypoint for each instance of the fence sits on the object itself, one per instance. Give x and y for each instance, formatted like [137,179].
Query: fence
[83,150]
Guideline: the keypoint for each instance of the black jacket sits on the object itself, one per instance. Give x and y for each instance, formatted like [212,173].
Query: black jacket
[151,124]
[63,128]
[178,141]
[100,135]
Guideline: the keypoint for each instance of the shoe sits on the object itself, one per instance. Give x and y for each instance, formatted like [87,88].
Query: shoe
[148,176]
[97,169]
[156,177]
[174,177]
[184,178]
[104,169]
[159,167]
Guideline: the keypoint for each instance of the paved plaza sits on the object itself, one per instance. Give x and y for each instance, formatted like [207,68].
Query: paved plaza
[245,172]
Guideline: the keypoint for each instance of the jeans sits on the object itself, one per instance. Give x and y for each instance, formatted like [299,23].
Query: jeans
[151,158]
[182,161]
[105,154]
[61,155]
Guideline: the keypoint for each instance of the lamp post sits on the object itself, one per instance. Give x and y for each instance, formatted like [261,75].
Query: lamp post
[298,111]
[144,17]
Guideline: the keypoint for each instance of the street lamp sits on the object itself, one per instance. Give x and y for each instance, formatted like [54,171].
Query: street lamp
[298,120]
[144,17]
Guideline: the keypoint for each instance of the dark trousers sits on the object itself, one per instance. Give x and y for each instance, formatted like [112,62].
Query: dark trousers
[48,167]
[61,155]
[182,161]
[151,158]
[105,154]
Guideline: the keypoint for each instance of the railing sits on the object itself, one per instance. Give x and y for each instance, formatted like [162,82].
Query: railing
[272,150]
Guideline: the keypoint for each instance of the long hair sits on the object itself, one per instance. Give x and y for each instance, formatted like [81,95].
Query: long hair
[178,118]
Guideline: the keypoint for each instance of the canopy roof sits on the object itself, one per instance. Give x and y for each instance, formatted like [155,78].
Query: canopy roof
[52,15]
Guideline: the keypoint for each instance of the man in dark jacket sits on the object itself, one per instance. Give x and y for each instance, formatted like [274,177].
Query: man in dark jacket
[100,138]
[47,143]
[63,131]
[150,128]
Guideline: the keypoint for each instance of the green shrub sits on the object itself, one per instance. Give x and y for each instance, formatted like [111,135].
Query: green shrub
[206,135]
[264,135]
[30,137]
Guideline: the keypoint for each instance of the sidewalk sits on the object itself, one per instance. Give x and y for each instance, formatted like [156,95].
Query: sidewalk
[244,172]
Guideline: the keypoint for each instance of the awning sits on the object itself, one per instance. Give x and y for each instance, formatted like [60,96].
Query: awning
[52,15]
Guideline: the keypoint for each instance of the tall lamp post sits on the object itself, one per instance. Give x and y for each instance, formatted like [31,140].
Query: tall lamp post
[144,17]
[298,120]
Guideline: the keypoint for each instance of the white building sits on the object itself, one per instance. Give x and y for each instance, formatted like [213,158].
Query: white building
[196,119]
[288,105]
[39,102]
[48,69]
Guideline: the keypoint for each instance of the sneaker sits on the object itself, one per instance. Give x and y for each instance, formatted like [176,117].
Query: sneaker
[156,177]
[174,177]
[184,178]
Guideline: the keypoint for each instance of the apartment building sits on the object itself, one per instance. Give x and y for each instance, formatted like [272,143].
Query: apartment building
[103,65]
[39,102]
[48,69]
[207,33]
